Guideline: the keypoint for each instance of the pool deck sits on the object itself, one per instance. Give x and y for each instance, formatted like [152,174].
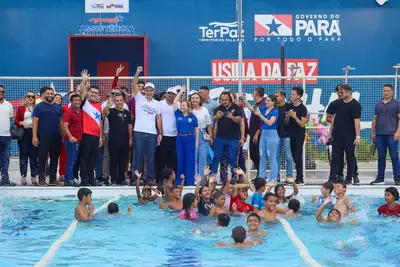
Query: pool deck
[107,192]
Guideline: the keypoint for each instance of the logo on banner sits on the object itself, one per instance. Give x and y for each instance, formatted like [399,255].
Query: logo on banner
[97,6]
[219,32]
[106,26]
[106,6]
[252,68]
[297,28]
[116,6]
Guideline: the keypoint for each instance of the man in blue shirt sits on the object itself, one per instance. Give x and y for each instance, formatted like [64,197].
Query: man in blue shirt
[209,103]
[47,118]
[385,131]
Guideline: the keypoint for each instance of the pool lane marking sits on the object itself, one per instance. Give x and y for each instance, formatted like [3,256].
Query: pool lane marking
[67,235]
[303,251]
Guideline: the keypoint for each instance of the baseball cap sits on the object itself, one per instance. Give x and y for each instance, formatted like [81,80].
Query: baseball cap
[192,92]
[149,85]
[172,90]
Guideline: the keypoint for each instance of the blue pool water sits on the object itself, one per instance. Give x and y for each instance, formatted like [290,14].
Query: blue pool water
[150,237]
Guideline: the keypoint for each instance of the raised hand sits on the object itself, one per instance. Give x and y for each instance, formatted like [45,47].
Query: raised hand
[234,208]
[119,70]
[130,208]
[211,180]
[85,75]
[182,179]
[138,175]
[139,69]
[207,170]
[183,88]
[239,171]
[272,184]
[158,194]
[290,180]
[198,178]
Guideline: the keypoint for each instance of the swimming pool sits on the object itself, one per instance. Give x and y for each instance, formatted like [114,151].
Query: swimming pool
[150,237]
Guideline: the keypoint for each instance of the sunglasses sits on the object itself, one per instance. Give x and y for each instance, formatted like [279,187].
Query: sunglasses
[2,91]
[30,96]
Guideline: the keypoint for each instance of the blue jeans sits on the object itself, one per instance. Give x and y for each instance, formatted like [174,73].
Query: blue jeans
[384,142]
[285,142]
[201,155]
[269,142]
[145,143]
[5,152]
[72,152]
[220,145]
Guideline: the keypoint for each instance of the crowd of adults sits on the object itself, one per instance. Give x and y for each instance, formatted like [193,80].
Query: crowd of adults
[101,143]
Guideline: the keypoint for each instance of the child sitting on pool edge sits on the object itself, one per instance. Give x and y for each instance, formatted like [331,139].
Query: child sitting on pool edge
[253,223]
[257,198]
[391,208]
[84,210]
[113,209]
[280,191]
[239,237]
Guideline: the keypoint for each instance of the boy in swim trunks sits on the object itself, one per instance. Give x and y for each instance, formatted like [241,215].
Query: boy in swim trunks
[239,237]
[343,203]
[268,214]
[84,210]
[174,204]
[334,215]
[253,223]
[146,196]
[219,207]
[390,208]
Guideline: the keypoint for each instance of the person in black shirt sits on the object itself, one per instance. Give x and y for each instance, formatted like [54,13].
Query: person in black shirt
[329,119]
[283,131]
[297,130]
[227,119]
[120,138]
[345,131]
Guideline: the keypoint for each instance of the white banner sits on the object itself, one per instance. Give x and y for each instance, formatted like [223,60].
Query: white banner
[106,6]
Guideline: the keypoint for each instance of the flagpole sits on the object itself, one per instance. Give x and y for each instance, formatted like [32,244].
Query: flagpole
[240,40]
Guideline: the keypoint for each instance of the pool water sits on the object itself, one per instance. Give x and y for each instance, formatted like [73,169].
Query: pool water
[151,237]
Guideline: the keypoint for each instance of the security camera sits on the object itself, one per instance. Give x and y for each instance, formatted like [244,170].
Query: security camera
[382,2]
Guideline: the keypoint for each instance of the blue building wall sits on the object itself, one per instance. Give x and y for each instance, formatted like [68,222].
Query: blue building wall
[35,34]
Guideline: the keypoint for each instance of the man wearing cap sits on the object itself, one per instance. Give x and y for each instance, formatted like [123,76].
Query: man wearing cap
[168,157]
[148,127]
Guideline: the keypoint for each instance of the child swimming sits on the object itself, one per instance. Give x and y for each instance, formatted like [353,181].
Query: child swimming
[257,198]
[343,203]
[239,238]
[391,208]
[189,207]
[280,191]
[170,176]
[219,207]
[268,214]
[326,191]
[240,194]
[253,223]
[175,204]
[84,210]
[293,208]
[223,220]
[146,196]
[203,194]
[334,215]
[113,209]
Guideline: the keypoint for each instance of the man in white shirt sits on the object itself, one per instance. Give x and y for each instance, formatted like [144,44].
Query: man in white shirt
[106,129]
[148,127]
[6,114]
[168,144]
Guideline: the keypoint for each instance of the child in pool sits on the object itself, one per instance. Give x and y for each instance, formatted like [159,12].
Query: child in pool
[268,214]
[174,204]
[326,191]
[343,203]
[223,220]
[146,196]
[219,207]
[113,209]
[84,210]
[280,191]
[257,198]
[391,208]
[240,194]
[293,208]
[189,207]
[253,223]
[170,176]
[334,215]
[203,194]
[239,237]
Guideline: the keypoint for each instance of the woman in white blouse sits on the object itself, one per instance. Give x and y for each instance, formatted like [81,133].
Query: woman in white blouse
[205,132]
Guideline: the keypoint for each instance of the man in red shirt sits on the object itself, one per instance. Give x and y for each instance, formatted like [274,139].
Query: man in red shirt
[72,137]
[391,208]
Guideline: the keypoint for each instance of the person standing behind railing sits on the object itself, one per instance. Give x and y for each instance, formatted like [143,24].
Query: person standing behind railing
[297,130]
[187,140]
[205,132]
[385,131]
[23,118]
[208,103]
[269,140]
[345,132]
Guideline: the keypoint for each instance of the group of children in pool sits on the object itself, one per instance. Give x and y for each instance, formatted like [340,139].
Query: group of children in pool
[230,199]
